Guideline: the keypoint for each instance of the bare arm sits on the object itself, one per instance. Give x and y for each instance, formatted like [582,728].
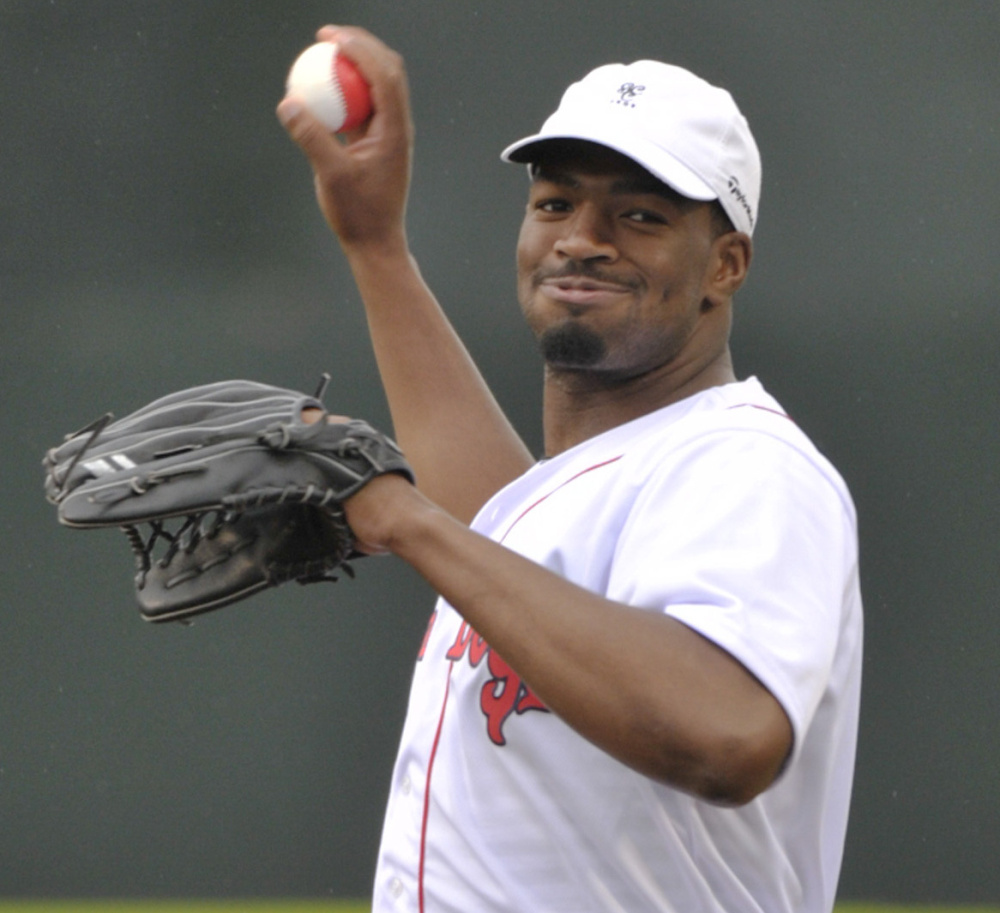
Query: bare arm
[461,445]
[642,686]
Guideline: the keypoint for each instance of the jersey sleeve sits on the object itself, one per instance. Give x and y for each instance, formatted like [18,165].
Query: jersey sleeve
[750,541]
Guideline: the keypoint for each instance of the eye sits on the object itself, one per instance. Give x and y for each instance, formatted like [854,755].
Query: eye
[646,217]
[553,205]
[548,208]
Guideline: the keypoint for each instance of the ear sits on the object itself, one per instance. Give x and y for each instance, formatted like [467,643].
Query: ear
[728,266]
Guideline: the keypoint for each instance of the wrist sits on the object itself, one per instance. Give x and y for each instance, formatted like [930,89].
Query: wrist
[376,253]
[386,514]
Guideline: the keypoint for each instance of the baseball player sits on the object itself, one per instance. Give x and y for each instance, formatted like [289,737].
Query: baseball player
[639,689]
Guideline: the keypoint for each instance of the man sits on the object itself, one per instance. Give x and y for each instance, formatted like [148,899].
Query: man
[639,690]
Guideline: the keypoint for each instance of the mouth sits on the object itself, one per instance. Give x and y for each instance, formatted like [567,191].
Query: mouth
[583,290]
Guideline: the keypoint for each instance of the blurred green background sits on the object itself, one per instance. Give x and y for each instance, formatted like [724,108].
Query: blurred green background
[157,230]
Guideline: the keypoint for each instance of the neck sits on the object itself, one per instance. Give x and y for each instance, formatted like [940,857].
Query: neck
[579,405]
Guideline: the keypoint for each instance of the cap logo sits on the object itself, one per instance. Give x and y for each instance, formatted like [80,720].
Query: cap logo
[736,191]
[627,92]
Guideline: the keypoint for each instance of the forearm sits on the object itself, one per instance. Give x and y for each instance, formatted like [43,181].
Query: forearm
[445,418]
[460,444]
[643,687]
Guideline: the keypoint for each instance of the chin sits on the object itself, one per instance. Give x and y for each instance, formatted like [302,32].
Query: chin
[570,345]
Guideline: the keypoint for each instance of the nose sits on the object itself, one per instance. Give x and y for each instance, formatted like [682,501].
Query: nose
[586,236]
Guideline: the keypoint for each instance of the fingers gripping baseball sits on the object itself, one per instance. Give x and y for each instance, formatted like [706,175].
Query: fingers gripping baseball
[362,181]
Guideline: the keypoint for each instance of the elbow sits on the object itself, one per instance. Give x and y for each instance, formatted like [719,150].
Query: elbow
[730,769]
[738,773]
[744,757]
[750,764]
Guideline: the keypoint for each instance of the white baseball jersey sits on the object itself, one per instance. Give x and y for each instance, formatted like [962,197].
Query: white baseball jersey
[718,511]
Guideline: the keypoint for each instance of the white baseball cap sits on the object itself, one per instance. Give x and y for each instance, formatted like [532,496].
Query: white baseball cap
[685,131]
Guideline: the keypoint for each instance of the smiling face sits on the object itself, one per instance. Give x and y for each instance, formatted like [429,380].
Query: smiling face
[619,276]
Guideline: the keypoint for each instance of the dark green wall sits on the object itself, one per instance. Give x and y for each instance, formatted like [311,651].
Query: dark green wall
[157,230]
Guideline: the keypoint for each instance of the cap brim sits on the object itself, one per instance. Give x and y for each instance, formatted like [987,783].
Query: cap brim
[656,161]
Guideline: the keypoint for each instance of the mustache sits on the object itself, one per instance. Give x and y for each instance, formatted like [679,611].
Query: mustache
[581,269]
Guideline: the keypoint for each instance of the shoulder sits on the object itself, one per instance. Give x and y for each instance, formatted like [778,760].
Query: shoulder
[733,434]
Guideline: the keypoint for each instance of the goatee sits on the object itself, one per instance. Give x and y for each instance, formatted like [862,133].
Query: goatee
[570,345]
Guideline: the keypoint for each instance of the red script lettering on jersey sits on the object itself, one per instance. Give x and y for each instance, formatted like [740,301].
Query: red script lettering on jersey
[504,693]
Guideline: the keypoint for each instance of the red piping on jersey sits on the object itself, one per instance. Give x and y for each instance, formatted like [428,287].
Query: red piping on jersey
[762,409]
[427,791]
[531,507]
[447,688]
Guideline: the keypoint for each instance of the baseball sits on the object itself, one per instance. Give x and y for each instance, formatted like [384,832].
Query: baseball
[331,86]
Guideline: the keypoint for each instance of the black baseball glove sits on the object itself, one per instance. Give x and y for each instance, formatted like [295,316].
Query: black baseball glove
[223,490]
